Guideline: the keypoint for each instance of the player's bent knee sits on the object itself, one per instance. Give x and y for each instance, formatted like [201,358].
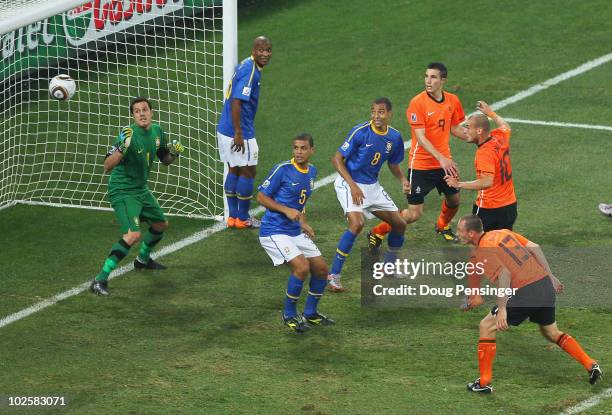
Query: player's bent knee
[355,225]
[160,226]
[398,225]
[132,238]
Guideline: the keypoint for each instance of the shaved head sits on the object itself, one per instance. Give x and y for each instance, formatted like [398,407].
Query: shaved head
[261,41]
[480,121]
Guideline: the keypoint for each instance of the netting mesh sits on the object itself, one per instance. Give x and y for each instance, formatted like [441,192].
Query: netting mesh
[52,152]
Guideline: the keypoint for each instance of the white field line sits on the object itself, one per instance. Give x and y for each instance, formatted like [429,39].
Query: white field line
[552,81]
[588,403]
[559,124]
[199,236]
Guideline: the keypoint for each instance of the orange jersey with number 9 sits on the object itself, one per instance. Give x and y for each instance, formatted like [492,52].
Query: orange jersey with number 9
[493,159]
[437,118]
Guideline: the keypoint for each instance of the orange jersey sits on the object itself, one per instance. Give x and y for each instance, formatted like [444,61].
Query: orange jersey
[493,159]
[503,248]
[436,118]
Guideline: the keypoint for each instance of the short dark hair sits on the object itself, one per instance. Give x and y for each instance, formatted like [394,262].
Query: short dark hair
[384,100]
[440,67]
[472,223]
[304,137]
[137,100]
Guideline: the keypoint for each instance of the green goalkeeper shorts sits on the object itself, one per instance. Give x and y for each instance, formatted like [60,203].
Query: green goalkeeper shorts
[131,209]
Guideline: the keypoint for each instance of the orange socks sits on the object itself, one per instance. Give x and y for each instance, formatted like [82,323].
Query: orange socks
[381,229]
[486,354]
[446,215]
[572,347]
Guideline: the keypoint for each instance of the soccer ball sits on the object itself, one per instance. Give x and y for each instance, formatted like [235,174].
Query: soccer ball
[62,87]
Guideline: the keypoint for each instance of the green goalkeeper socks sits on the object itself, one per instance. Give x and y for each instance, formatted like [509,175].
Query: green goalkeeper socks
[119,250]
[149,240]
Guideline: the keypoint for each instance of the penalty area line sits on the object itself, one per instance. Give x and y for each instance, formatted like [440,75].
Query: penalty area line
[588,403]
[559,124]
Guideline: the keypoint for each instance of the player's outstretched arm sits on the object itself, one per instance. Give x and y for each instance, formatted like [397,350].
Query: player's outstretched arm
[488,111]
[483,182]
[271,204]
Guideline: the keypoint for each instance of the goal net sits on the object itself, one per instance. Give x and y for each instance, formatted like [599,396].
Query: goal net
[52,152]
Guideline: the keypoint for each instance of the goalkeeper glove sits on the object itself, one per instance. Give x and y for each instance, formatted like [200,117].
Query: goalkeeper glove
[175,148]
[125,138]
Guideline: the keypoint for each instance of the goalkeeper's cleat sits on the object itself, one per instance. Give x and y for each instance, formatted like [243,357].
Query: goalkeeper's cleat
[605,209]
[318,319]
[374,241]
[333,283]
[251,222]
[99,288]
[151,264]
[477,387]
[296,323]
[231,222]
[447,234]
[595,374]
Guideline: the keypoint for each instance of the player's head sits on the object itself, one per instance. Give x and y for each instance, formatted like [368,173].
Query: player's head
[381,113]
[477,128]
[435,77]
[262,50]
[469,229]
[142,111]
[303,148]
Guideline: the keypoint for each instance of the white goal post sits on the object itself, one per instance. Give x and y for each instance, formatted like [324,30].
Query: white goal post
[179,53]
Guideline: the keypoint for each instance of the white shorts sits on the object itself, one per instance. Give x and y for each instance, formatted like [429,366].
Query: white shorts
[237,158]
[375,198]
[283,248]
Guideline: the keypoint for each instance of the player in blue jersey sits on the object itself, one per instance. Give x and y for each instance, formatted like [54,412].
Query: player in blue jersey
[286,236]
[359,160]
[236,134]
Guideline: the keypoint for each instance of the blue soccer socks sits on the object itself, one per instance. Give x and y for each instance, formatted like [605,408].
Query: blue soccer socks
[317,287]
[244,194]
[229,187]
[342,251]
[294,289]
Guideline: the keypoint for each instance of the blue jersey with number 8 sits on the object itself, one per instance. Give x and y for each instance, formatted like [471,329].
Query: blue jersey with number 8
[365,149]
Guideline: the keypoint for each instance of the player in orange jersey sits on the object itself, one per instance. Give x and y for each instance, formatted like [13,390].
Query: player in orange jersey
[496,201]
[433,115]
[515,262]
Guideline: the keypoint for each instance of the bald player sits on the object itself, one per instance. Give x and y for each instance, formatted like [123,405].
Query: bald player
[236,134]
[496,201]
[514,262]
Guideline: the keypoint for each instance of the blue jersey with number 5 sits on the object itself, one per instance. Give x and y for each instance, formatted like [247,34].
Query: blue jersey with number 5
[366,149]
[291,186]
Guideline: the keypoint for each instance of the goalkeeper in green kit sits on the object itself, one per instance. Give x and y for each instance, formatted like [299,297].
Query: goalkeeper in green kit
[129,161]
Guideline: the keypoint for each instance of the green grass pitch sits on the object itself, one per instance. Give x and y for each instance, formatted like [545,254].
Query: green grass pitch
[204,337]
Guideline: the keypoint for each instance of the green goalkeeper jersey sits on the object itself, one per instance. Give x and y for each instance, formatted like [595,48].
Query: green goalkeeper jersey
[131,175]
